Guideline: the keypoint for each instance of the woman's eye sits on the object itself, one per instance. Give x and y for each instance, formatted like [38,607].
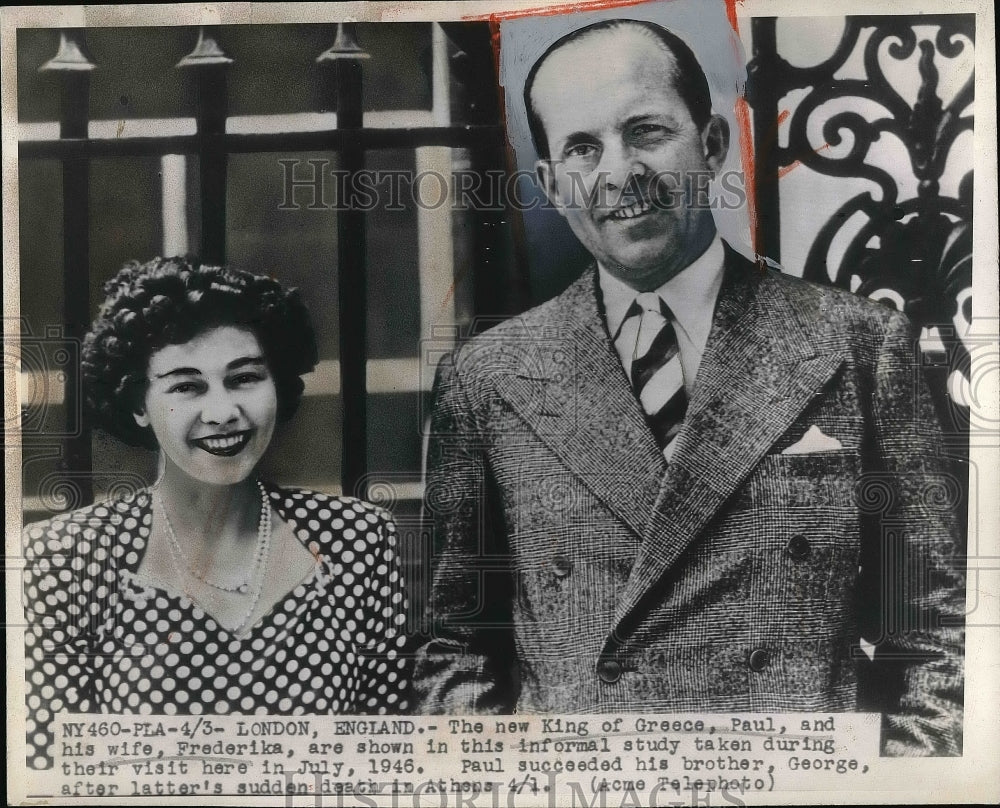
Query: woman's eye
[183,387]
[247,378]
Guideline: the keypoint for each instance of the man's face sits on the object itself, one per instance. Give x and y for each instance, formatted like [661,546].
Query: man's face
[624,154]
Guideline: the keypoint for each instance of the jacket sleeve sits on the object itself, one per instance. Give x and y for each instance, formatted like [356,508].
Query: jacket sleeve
[466,662]
[918,576]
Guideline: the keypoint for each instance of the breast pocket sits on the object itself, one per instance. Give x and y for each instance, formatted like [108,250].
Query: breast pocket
[798,521]
[813,479]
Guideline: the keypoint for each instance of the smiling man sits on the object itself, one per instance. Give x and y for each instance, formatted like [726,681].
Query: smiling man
[622,151]
[651,492]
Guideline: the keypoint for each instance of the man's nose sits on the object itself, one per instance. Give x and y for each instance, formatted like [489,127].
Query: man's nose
[219,407]
[620,165]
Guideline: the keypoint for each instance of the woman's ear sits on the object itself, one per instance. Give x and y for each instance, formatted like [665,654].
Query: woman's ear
[141,418]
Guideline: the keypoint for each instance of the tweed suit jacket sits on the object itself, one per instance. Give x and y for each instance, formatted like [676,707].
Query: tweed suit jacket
[576,571]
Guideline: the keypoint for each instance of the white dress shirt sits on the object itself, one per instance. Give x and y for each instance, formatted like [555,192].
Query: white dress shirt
[691,296]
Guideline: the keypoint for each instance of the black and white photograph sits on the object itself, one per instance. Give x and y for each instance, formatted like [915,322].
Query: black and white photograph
[501,403]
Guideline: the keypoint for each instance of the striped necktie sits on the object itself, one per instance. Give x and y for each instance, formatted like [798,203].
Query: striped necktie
[655,373]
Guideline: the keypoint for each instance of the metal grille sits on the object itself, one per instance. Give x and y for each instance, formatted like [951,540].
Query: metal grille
[914,252]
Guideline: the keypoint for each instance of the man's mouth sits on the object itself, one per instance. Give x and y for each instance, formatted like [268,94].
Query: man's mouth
[637,208]
[224,445]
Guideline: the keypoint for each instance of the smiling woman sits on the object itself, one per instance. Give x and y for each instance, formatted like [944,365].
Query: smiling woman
[212,403]
[211,591]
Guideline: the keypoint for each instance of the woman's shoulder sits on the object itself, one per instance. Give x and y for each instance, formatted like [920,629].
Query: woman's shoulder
[305,503]
[332,519]
[88,530]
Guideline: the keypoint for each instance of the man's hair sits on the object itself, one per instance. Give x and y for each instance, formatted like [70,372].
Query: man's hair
[170,301]
[689,79]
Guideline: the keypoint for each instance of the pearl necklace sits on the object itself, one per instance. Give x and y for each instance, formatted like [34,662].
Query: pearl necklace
[260,555]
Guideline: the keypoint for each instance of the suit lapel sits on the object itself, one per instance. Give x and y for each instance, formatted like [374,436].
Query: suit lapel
[569,386]
[759,371]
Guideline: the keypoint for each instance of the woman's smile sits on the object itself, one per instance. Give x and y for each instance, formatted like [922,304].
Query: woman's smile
[224,445]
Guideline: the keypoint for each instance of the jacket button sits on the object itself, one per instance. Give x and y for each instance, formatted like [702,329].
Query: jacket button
[798,547]
[609,670]
[561,566]
[759,659]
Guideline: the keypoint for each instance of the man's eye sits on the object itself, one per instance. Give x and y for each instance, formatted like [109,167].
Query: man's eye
[648,131]
[581,150]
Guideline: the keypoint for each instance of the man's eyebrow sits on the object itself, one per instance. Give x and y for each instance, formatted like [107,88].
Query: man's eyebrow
[243,361]
[179,372]
[665,117]
[574,138]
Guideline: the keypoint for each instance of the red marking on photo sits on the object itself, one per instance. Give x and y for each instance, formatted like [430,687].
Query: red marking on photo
[785,169]
[742,111]
[731,13]
[549,11]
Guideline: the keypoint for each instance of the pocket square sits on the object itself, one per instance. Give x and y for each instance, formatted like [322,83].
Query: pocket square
[814,441]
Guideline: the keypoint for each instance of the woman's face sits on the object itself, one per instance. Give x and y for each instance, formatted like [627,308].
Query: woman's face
[212,405]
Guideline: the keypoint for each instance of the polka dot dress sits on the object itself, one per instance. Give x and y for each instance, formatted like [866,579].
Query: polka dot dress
[100,640]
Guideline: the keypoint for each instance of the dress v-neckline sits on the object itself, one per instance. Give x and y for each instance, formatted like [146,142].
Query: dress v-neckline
[139,585]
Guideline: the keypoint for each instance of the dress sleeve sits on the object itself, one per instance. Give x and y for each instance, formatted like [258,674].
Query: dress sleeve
[59,581]
[385,667]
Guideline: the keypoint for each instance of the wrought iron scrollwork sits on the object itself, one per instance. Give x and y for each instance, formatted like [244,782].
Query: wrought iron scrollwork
[913,252]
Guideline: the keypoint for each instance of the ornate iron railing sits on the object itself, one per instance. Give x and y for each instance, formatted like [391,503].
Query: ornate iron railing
[913,252]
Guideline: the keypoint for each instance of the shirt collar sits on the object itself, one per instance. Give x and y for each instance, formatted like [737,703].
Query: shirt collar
[690,294]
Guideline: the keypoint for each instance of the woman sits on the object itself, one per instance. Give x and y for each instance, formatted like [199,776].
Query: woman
[211,591]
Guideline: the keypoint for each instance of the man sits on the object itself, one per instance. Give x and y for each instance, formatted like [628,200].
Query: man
[654,492]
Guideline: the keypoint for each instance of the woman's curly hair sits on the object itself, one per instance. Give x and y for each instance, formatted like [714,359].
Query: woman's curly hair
[169,301]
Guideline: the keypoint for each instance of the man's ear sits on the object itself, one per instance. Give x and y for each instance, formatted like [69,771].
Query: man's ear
[715,140]
[141,418]
[547,179]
